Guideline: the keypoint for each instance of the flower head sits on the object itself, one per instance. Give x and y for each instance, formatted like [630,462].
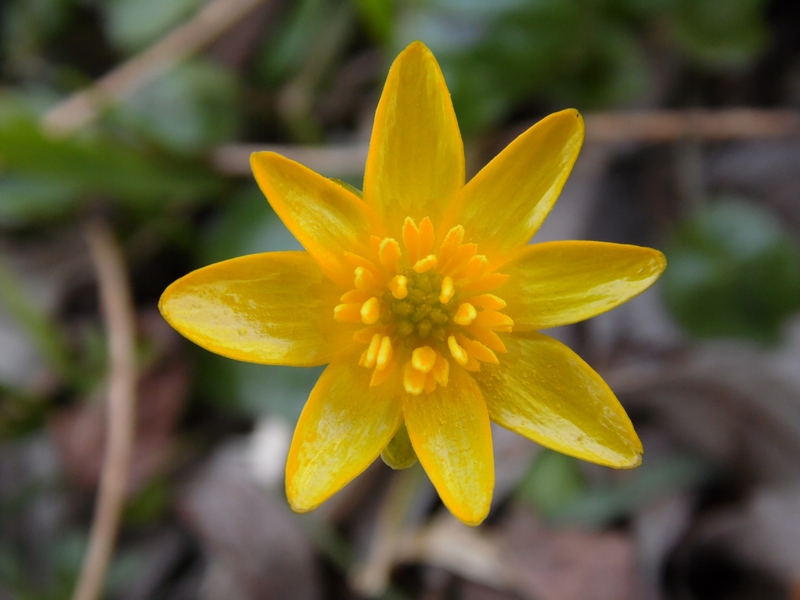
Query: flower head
[424,299]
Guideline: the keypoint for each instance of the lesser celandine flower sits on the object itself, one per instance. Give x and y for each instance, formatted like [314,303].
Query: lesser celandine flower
[424,299]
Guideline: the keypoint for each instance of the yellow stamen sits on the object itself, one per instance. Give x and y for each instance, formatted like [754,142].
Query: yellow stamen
[423,359]
[441,370]
[448,290]
[461,257]
[411,239]
[389,253]
[487,337]
[385,353]
[487,301]
[465,314]
[495,320]
[459,354]
[451,242]
[425,264]
[364,280]
[485,283]
[398,286]
[426,237]
[355,297]
[372,352]
[476,266]
[370,311]
[413,380]
[478,350]
[347,313]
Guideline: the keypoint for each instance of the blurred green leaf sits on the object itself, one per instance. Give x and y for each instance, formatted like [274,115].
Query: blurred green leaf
[733,272]
[719,32]
[378,16]
[25,25]
[553,481]
[188,110]
[95,166]
[23,200]
[133,24]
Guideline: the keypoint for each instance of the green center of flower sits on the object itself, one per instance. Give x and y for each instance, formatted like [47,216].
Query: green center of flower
[424,308]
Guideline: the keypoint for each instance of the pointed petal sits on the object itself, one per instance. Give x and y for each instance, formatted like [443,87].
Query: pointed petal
[415,165]
[544,391]
[558,283]
[274,308]
[325,217]
[342,430]
[449,429]
[399,454]
[507,201]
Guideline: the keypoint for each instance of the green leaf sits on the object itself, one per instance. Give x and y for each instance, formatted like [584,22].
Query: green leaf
[188,110]
[733,272]
[133,24]
[553,481]
[23,200]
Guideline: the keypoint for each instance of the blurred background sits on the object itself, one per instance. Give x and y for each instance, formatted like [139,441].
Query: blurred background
[125,131]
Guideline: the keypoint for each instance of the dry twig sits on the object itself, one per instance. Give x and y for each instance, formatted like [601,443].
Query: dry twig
[654,127]
[208,24]
[117,304]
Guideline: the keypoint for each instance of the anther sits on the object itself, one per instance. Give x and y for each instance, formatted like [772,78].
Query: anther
[425,264]
[399,286]
[384,353]
[413,380]
[448,290]
[347,313]
[370,311]
[459,354]
[363,279]
[371,354]
[389,253]
[465,314]
[423,358]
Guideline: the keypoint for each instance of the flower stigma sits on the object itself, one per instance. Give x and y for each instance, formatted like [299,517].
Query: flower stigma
[424,306]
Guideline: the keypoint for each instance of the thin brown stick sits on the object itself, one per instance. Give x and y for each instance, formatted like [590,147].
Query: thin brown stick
[117,305]
[654,127]
[203,28]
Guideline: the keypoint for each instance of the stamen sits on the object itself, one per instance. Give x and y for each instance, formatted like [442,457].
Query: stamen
[478,350]
[385,353]
[372,352]
[476,267]
[459,354]
[411,239]
[423,359]
[451,242]
[425,264]
[441,370]
[389,253]
[355,296]
[370,311]
[399,286]
[465,314]
[495,320]
[413,380]
[347,313]
[448,290]
[364,280]
[426,237]
[487,301]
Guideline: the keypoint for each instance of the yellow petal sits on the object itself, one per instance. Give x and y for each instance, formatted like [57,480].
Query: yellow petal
[415,165]
[558,283]
[450,432]
[399,454]
[274,308]
[325,217]
[343,428]
[544,391]
[507,201]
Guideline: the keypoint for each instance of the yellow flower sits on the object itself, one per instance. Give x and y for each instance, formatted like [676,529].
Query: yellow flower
[424,299]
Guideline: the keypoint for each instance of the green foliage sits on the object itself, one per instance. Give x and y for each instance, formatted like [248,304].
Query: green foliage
[133,24]
[553,481]
[733,272]
[582,53]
